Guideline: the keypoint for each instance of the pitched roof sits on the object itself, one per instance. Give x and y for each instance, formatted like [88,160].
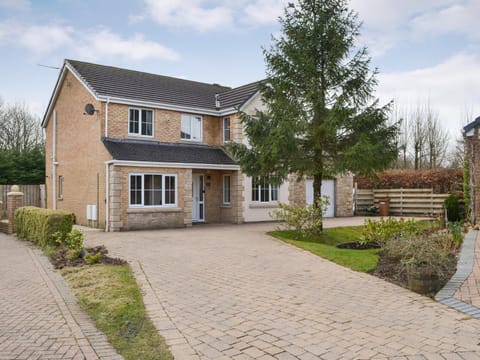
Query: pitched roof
[153,151]
[472,125]
[109,81]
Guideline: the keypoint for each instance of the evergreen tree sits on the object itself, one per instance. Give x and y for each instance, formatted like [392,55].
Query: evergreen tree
[321,118]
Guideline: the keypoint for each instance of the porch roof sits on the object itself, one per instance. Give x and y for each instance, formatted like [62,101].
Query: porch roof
[153,151]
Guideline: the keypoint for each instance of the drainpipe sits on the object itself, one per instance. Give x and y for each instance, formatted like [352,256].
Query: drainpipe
[106,117]
[54,161]
[107,195]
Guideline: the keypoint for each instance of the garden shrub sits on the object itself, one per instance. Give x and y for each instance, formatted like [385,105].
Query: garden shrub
[305,220]
[383,231]
[39,225]
[73,241]
[425,253]
[454,210]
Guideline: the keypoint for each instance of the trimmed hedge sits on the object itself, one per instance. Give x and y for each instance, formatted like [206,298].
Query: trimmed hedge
[38,225]
[442,181]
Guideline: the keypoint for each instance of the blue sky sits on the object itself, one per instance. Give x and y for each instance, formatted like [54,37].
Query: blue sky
[425,50]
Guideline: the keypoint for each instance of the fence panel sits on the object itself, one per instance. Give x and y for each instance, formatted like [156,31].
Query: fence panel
[33,195]
[403,202]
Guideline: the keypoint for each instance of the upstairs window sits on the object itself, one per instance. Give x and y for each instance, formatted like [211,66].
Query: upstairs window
[226,130]
[263,190]
[140,122]
[191,127]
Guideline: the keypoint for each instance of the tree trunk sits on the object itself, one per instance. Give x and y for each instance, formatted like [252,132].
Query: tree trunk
[317,194]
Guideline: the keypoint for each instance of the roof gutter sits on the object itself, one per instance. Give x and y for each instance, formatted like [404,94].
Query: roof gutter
[173,165]
[203,111]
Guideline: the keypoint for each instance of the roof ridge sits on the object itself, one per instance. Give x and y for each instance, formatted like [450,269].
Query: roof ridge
[71,61]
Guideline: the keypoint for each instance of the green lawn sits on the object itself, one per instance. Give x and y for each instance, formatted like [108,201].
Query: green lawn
[112,298]
[324,246]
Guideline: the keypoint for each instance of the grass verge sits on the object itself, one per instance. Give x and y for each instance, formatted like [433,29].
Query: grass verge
[112,298]
[324,246]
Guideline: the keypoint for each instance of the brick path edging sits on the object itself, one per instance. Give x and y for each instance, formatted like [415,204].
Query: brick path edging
[464,269]
[93,342]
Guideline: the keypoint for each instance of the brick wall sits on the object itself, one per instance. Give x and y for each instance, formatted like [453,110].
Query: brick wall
[166,126]
[343,195]
[80,153]
[472,150]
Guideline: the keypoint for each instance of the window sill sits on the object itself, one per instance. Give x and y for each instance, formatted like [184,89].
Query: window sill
[153,210]
[269,205]
[143,137]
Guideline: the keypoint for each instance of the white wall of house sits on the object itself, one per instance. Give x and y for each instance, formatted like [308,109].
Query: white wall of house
[257,211]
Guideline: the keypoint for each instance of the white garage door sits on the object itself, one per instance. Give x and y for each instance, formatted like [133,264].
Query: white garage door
[328,189]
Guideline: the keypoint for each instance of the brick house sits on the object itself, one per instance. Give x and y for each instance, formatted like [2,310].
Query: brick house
[131,150]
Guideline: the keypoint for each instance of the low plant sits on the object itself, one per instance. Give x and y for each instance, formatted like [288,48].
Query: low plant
[93,259]
[455,229]
[73,241]
[386,229]
[305,220]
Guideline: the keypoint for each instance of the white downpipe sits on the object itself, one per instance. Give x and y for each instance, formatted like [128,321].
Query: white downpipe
[107,196]
[54,161]
[106,117]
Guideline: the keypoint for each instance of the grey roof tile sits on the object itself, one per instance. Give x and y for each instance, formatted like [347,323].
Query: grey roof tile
[153,151]
[136,85]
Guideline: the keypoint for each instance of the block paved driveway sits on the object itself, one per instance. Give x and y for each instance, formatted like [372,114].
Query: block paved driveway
[231,292]
[39,318]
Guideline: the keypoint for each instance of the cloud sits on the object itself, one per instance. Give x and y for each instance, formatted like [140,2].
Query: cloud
[448,86]
[104,43]
[90,44]
[263,12]
[17,5]
[457,18]
[197,14]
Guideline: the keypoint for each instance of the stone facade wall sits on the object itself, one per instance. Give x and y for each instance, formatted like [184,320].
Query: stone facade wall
[297,191]
[344,195]
[123,217]
[80,153]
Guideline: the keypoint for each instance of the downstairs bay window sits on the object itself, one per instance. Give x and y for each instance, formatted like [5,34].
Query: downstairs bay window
[153,190]
[263,190]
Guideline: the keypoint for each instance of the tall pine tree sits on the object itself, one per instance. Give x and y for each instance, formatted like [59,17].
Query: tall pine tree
[321,117]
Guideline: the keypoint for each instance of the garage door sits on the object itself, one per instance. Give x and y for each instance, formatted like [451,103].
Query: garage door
[328,189]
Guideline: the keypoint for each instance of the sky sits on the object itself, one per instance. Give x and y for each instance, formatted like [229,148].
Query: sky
[426,51]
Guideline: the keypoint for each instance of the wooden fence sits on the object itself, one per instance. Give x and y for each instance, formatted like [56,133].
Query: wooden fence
[408,202]
[34,195]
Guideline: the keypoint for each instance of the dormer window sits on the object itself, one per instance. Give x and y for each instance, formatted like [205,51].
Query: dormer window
[191,128]
[140,122]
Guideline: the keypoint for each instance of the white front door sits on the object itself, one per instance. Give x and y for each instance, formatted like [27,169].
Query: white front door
[198,198]
[328,190]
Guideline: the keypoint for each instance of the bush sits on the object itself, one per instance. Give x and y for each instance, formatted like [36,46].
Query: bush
[305,220]
[424,254]
[455,211]
[39,225]
[383,231]
[73,241]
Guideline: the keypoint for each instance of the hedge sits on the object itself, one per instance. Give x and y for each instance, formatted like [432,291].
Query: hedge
[442,181]
[38,225]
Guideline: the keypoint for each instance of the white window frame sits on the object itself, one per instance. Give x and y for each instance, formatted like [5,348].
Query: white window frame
[227,201]
[143,191]
[225,141]
[258,190]
[140,121]
[190,118]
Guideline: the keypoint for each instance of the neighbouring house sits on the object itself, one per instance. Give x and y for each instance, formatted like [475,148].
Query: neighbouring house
[471,134]
[131,150]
